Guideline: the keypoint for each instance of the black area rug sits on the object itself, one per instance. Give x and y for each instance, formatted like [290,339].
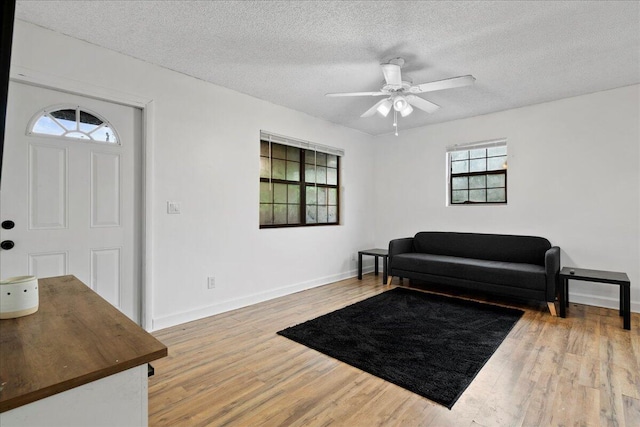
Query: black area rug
[429,344]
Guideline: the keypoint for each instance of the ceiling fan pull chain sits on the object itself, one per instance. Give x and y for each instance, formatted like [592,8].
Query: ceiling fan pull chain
[395,121]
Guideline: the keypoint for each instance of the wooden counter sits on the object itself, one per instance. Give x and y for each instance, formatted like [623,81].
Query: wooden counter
[74,338]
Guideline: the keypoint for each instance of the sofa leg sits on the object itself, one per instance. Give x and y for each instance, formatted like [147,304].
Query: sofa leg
[552,308]
[389,281]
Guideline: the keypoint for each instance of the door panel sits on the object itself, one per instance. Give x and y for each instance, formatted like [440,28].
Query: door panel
[48,265]
[105,189]
[47,187]
[73,200]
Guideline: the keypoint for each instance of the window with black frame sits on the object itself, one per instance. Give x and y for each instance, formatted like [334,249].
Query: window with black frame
[299,183]
[478,173]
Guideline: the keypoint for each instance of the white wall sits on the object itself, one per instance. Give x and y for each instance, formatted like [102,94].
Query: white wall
[204,148]
[574,178]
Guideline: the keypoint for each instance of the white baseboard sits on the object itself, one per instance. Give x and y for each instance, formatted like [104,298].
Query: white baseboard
[235,303]
[599,301]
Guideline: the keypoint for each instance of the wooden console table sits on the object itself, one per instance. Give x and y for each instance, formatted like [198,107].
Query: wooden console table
[610,277]
[77,351]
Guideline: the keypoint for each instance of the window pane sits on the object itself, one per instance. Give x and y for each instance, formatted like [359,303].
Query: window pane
[293,214]
[460,183]
[496,163]
[265,193]
[496,195]
[321,159]
[479,181]
[88,122]
[278,169]
[310,157]
[293,153]
[293,171]
[332,215]
[479,165]
[459,196]
[322,214]
[47,126]
[104,134]
[294,194]
[279,214]
[66,118]
[478,195]
[266,213]
[321,174]
[309,173]
[322,196]
[495,180]
[478,153]
[265,171]
[333,196]
[459,155]
[278,151]
[279,193]
[332,176]
[311,195]
[264,148]
[332,161]
[460,167]
[497,151]
[311,214]
[90,119]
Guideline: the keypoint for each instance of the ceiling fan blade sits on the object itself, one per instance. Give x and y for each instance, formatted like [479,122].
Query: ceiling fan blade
[443,84]
[392,74]
[371,111]
[421,103]
[356,94]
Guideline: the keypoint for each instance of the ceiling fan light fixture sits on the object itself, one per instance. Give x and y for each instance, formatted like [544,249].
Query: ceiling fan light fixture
[399,103]
[385,107]
[406,111]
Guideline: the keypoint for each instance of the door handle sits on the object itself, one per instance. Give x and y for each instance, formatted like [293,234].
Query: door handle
[7,244]
[8,225]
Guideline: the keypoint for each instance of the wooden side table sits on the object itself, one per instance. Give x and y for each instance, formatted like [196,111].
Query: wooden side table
[384,253]
[610,277]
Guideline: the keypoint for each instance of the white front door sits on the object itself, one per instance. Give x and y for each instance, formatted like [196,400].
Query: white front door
[75,202]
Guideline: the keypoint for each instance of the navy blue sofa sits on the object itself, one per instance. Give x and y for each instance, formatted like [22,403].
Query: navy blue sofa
[524,267]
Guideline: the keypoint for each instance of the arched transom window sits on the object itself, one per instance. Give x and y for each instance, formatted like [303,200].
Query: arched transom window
[72,122]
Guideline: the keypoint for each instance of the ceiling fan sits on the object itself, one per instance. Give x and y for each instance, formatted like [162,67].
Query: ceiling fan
[401,94]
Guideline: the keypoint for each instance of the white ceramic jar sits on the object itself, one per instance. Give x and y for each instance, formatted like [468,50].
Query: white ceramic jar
[18,296]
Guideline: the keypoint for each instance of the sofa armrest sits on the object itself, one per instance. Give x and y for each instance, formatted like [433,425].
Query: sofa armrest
[552,271]
[399,246]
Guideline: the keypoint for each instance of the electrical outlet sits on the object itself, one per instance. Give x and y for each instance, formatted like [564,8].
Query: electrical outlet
[211,282]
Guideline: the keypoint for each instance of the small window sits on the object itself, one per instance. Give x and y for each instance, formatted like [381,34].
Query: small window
[72,122]
[298,184]
[478,173]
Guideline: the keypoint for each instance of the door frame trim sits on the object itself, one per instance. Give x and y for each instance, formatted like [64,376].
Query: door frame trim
[31,77]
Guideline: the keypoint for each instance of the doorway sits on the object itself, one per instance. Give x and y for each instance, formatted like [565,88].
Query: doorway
[72,187]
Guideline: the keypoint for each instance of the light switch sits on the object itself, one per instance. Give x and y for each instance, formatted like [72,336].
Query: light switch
[173,207]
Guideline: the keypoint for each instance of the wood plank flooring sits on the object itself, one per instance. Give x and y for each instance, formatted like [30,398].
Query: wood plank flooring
[233,370]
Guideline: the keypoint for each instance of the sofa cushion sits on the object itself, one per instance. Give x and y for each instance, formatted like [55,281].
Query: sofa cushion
[521,275]
[494,247]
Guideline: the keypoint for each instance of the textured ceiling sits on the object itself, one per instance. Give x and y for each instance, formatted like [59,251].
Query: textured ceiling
[292,53]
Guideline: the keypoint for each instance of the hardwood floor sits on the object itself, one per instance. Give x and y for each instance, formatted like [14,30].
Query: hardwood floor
[233,370]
